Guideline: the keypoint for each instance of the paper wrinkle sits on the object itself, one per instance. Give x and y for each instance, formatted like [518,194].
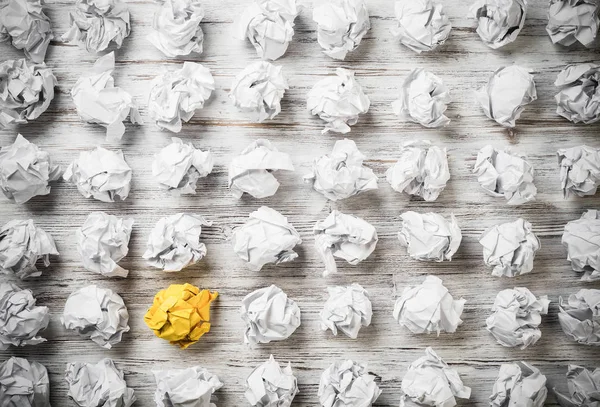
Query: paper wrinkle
[499,22]
[579,97]
[100,174]
[582,240]
[271,386]
[176,95]
[26,90]
[179,166]
[579,170]
[341,25]
[429,381]
[509,248]
[346,237]
[583,385]
[98,385]
[252,171]
[515,318]
[579,317]
[341,174]
[174,242]
[429,236]
[258,89]
[504,97]
[96,313]
[572,21]
[20,319]
[519,384]
[176,28]
[346,383]
[422,25]
[98,24]
[190,387]
[347,309]
[338,100]
[24,383]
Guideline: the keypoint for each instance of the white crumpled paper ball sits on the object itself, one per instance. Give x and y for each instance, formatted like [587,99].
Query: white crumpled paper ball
[176,28]
[572,21]
[347,309]
[519,384]
[579,316]
[190,387]
[24,383]
[346,383]
[579,98]
[579,170]
[422,24]
[583,387]
[499,22]
[582,240]
[429,236]
[271,386]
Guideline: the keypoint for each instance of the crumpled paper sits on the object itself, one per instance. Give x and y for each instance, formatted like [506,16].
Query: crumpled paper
[422,24]
[97,100]
[346,383]
[96,313]
[579,316]
[579,170]
[176,28]
[259,89]
[571,21]
[515,318]
[510,248]
[265,238]
[341,174]
[499,22]
[98,24]
[178,166]
[421,170]
[271,386]
[341,25]
[24,383]
[429,236]
[26,90]
[252,171]
[504,173]
[174,243]
[191,387]
[27,26]
[347,309]
[347,237]
[519,384]
[20,319]
[269,315]
[429,307]
[584,386]
[100,174]
[176,95]
[22,244]
[504,97]
[582,240]
[98,385]
[180,314]
[338,100]
[579,97]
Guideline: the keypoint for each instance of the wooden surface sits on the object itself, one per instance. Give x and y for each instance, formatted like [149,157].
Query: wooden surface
[464,63]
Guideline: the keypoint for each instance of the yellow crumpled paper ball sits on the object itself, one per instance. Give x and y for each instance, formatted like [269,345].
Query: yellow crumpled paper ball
[180,314]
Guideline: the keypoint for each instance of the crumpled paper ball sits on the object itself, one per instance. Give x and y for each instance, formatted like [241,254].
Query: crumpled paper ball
[100,174]
[499,22]
[259,89]
[98,24]
[347,309]
[26,90]
[579,170]
[338,100]
[429,236]
[507,174]
[27,26]
[519,384]
[98,385]
[174,242]
[176,95]
[429,307]
[571,21]
[269,315]
[516,316]
[579,316]
[504,97]
[579,97]
[582,240]
[341,174]
[24,383]
[510,248]
[176,28]
[422,24]
[178,166]
[583,388]
[346,383]
[271,386]
[190,387]
[96,313]
[341,25]
[421,170]
[180,314]
[346,237]
[20,319]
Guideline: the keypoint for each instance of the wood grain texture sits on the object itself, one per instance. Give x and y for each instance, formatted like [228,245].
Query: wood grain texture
[464,63]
